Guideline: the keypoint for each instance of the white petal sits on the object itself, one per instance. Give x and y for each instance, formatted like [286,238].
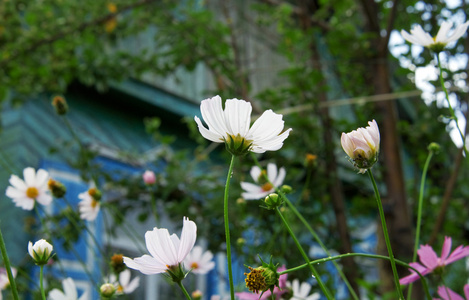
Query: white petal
[70,288]
[272,144]
[132,286]
[145,264]
[25,203]
[44,199]
[124,277]
[188,237]
[458,32]
[238,116]
[280,177]
[161,247]
[255,173]
[16,182]
[271,172]
[29,176]
[209,135]
[42,176]
[14,193]
[56,294]
[267,126]
[213,115]
[443,32]
[423,38]
[304,289]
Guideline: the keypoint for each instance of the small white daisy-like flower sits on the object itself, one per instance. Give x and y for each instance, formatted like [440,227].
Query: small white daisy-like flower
[167,251]
[419,37]
[263,187]
[301,292]
[362,146]
[124,285]
[69,293]
[232,126]
[33,188]
[40,251]
[89,205]
[198,261]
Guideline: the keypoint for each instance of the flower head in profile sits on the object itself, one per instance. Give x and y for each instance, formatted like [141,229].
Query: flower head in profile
[419,37]
[90,204]
[41,251]
[198,261]
[69,293]
[301,292]
[446,293]
[33,188]
[167,251]
[362,146]
[232,126]
[432,263]
[124,285]
[4,281]
[259,278]
[262,187]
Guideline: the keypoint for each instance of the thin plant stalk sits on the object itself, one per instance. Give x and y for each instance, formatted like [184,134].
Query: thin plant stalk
[6,261]
[227,227]
[375,256]
[305,257]
[311,231]
[419,213]
[188,297]
[41,283]
[386,235]
[453,114]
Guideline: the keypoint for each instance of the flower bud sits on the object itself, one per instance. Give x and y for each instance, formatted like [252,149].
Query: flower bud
[197,295]
[40,251]
[60,105]
[117,263]
[434,147]
[261,279]
[272,201]
[95,194]
[57,188]
[310,160]
[149,177]
[107,290]
[240,201]
[237,145]
[286,189]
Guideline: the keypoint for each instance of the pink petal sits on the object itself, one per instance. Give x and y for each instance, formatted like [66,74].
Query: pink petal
[428,257]
[458,253]
[447,294]
[446,248]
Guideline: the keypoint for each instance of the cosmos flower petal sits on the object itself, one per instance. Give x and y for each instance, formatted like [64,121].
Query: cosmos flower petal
[458,253]
[16,182]
[160,246]
[212,113]
[24,202]
[188,237]
[466,291]
[42,177]
[447,294]
[29,176]
[446,249]
[271,172]
[267,126]
[44,199]
[458,32]
[132,286]
[443,32]
[70,288]
[209,135]
[255,173]
[145,264]
[428,257]
[237,116]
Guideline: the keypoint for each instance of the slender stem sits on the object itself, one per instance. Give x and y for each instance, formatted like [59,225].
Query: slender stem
[453,115]
[419,213]
[311,231]
[375,256]
[41,283]
[227,227]
[6,261]
[188,297]
[386,235]
[305,257]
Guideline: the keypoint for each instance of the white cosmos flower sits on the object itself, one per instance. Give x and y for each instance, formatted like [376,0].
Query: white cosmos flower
[124,285]
[419,37]
[40,251]
[33,188]
[301,292]
[167,251]
[69,293]
[198,261]
[89,206]
[362,145]
[263,188]
[232,126]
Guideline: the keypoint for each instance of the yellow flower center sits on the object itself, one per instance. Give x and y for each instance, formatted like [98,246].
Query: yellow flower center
[94,203]
[32,192]
[194,265]
[120,289]
[267,187]
[255,281]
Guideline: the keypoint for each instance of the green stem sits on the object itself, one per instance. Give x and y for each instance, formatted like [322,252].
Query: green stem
[188,297]
[419,213]
[227,227]
[311,231]
[305,257]
[399,262]
[386,235]
[41,283]
[6,261]
[453,115]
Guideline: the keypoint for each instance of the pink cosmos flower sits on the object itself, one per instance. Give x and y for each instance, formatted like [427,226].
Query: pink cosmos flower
[278,292]
[447,294]
[149,177]
[431,262]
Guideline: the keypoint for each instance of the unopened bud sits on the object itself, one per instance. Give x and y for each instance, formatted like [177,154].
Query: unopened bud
[95,194]
[272,201]
[240,201]
[57,188]
[60,105]
[434,147]
[107,290]
[197,295]
[286,189]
